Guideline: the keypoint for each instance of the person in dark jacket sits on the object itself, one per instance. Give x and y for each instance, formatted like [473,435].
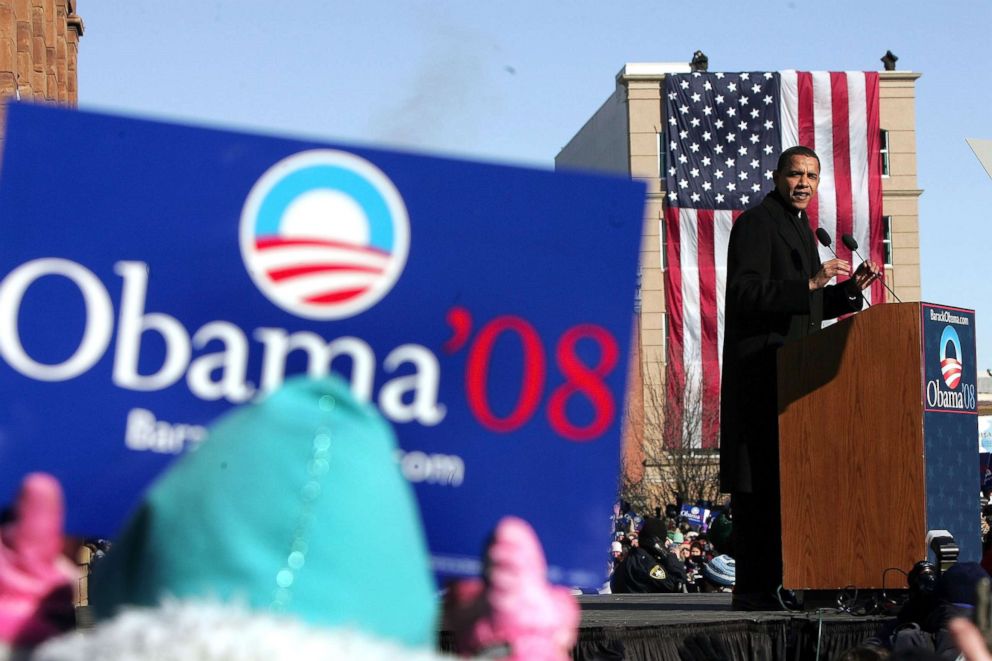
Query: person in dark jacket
[649,567]
[777,291]
[923,623]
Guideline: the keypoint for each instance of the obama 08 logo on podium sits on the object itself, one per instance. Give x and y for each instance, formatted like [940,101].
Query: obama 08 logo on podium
[324,234]
[949,348]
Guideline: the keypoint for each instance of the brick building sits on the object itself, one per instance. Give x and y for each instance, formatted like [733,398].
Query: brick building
[39,45]
[625,135]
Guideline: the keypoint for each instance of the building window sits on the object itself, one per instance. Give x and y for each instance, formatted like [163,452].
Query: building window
[662,242]
[887,239]
[664,336]
[661,155]
[884,152]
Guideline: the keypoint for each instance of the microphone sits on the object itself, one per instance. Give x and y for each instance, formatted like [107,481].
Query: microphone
[852,245]
[824,239]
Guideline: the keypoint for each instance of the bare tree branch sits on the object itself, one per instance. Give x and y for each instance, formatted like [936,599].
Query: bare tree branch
[681,463]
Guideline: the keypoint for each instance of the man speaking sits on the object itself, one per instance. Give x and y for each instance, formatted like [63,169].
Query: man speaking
[777,291]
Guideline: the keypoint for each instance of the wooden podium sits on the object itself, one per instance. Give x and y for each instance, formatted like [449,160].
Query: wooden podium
[853,453]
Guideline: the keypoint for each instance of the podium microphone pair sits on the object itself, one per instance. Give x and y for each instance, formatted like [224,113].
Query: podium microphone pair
[852,245]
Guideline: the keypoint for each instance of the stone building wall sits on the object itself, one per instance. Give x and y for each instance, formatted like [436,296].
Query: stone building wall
[39,47]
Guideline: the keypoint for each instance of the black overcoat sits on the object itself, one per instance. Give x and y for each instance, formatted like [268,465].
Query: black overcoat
[641,572]
[771,257]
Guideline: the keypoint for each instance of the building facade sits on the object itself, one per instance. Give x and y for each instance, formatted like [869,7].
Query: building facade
[624,136]
[39,47]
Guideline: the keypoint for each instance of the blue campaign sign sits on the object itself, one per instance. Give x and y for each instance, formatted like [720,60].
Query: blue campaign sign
[154,276]
[694,514]
[950,424]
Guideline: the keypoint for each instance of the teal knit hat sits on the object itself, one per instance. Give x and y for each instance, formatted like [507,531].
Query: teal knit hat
[265,513]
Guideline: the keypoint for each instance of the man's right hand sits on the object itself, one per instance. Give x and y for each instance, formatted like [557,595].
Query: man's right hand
[828,271]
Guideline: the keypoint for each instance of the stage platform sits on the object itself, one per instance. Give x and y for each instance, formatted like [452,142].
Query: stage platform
[672,627]
[677,627]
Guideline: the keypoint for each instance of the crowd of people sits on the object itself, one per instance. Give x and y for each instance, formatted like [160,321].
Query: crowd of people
[666,553]
[669,554]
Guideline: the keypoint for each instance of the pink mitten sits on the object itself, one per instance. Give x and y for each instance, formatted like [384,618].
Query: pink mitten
[516,608]
[35,578]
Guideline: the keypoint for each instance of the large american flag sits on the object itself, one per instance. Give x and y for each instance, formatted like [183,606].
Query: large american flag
[723,136]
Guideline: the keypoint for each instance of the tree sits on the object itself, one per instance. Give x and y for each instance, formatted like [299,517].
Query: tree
[679,452]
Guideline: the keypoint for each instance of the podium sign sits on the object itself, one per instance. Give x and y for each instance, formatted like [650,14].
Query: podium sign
[152,276]
[950,424]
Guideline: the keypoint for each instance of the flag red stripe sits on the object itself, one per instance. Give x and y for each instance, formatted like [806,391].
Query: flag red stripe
[675,368]
[277,275]
[842,163]
[875,211]
[710,386]
[807,131]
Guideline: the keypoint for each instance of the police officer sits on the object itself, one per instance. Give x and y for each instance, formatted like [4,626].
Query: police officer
[650,566]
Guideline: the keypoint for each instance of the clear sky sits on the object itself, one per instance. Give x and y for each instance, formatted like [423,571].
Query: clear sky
[513,80]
